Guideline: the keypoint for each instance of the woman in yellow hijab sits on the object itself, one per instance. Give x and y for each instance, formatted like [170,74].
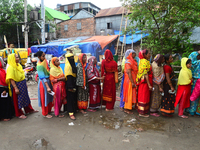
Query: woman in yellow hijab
[70,75]
[15,79]
[184,87]
[58,79]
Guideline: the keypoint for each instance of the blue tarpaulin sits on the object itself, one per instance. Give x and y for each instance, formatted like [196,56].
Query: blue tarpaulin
[131,38]
[56,48]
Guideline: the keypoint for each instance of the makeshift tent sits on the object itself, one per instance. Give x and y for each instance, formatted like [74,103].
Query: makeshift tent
[131,38]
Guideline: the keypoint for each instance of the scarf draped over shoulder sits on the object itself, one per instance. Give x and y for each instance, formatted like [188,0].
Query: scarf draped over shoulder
[43,69]
[55,72]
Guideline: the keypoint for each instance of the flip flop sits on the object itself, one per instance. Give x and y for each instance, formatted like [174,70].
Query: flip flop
[183,116]
[60,116]
[146,116]
[48,116]
[22,117]
[128,112]
[155,114]
[70,116]
[91,110]
[34,111]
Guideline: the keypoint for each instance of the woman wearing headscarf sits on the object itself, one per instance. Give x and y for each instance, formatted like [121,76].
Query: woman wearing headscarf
[122,82]
[109,70]
[130,74]
[6,105]
[58,79]
[44,85]
[158,78]
[15,78]
[168,100]
[194,108]
[184,87]
[70,75]
[94,84]
[144,81]
[82,83]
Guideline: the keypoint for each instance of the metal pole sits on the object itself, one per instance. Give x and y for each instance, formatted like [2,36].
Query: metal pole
[43,21]
[26,28]
[18,36]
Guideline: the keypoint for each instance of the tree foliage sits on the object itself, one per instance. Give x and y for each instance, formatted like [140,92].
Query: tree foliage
[168,22]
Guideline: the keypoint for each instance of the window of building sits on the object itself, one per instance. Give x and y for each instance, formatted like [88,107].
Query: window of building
[66,28]
[65,8]
[76,6]
[109,25]
[79,26]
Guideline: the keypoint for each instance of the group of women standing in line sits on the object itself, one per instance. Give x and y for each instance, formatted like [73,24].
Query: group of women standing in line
[152,86]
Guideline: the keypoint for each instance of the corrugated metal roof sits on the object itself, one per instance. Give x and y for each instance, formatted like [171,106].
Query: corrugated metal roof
[110,12]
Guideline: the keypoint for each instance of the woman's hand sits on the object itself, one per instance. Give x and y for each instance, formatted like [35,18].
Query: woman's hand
[161,90]
[150,88]
[172,89]
[54,80]
[133,85]
[48,90]
[4,93]
[17,91]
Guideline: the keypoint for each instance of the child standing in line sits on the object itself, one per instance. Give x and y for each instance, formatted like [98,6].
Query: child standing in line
[184,87]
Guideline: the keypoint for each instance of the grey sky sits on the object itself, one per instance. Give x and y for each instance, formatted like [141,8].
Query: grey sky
[99,3]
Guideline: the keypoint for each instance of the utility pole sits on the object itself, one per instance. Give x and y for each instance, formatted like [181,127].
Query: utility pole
[43,21]
[26,27]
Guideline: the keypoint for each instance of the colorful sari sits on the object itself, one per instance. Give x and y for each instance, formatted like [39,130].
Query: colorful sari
[6,105]
[108,69]
[94,85]
[130,92]
[144,94]
[184,87]
[44,98]
[58,87]
[168,100]
[195,105]
[158,78]
[70,75]
[81,82]
[16,73]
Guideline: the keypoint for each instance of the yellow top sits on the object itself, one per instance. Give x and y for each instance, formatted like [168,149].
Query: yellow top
[68,68]
[185,75]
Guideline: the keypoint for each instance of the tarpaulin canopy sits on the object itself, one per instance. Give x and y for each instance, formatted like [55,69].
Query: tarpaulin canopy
[131,38]
[102,40]
[54,14]
[56,48]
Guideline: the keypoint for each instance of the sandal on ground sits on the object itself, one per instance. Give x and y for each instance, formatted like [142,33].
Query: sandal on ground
[72,117]
[60,116]
[34,111]
[83,112]
[48,116]
[128,112]
[155,114]
[146,116]
[109,109]
[183,116]
[91,110]
[22,117]
[6,119]
[121,108]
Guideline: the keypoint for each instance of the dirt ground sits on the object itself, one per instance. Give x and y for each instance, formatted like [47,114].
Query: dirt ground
[107,130]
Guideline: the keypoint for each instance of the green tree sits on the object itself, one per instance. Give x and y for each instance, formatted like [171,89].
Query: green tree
[168,22]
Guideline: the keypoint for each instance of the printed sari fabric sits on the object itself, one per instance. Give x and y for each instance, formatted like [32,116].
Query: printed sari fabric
[144,94]
[44,98]
[81,82]
[158,78]
[94,85]
[194,105]
[58,87]
[129,92]
[184,87]
[168,100]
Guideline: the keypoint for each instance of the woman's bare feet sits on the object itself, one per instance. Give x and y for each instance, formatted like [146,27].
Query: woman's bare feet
[48,116]
[128,111]
[72,117]
[22,117]
[109,109]
[82,111]
[6,119]
[183,116]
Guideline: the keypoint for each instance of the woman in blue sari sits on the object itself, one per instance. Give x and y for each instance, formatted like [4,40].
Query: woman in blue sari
[194,105]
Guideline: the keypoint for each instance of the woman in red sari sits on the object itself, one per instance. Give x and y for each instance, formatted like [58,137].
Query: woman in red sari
[94,84]
[109,70]
[144,80]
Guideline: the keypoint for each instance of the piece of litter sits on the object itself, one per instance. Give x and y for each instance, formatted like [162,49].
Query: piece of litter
[132,120]
[71,124]
[101,116]
[86,115]
[126,140]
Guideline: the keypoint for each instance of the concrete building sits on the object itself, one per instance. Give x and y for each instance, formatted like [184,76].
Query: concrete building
[74,8]
[81,24]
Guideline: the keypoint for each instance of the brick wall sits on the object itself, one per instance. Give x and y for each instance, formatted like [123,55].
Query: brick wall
[87,28]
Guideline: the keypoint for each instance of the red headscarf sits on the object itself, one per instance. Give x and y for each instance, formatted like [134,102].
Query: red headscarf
[108,55]
[3,74]
[80,57]
[141,54]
